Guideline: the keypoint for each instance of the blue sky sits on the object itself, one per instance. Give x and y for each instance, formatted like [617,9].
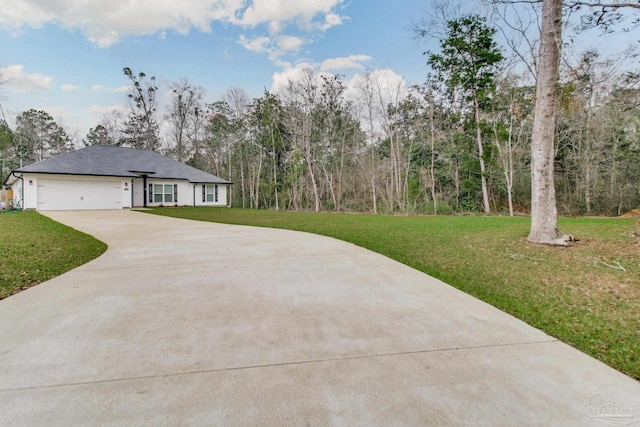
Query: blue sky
[66,56]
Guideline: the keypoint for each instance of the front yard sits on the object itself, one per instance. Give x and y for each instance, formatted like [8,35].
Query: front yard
[35,249]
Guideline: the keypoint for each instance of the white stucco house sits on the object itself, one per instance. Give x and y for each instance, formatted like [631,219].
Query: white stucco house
[106,177]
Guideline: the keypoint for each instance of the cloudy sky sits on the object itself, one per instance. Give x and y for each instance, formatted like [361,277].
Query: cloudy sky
[67,56]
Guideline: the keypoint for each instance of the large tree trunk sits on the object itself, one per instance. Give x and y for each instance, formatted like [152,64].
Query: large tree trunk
[544,215]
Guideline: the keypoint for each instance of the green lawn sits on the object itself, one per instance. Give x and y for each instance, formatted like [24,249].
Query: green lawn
[35,249]
[587,295]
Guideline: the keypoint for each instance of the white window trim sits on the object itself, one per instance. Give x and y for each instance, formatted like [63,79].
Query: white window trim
[210,190]
[168,190]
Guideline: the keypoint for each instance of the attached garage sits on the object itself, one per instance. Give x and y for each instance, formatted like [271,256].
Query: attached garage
[58,194]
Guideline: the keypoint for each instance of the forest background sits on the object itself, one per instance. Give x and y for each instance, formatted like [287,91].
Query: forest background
[458,142]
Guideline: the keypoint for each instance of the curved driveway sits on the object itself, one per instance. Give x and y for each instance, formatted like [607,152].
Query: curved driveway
[191,323]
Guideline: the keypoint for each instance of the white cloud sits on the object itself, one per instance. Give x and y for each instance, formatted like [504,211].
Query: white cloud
[331,20]
[61,114]
[376,90]
[69,88]
[282,80]
[262,11]
[15,78]
[343,63]
[289,43]
[282,45]
[385,86]
[102,88]
[105,22]
[259,45]
[303,73]
[107,109]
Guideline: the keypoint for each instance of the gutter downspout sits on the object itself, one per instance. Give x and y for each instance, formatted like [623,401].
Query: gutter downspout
[21,187]
[194,194]
[144,192]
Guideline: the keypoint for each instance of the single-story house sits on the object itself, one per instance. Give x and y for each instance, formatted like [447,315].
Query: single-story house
[106,177]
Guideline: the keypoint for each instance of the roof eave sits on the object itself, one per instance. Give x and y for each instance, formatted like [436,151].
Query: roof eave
[11,179]
[211,182]
[75,173]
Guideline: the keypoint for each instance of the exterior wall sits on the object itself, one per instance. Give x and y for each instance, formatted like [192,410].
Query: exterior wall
[185,192]
[27,188]
[222,195]
[17,191]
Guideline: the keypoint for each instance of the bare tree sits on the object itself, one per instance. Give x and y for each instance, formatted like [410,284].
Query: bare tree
[366,94]
[186,101]
[519,25]
[142,130]
[300,98]
[511,117]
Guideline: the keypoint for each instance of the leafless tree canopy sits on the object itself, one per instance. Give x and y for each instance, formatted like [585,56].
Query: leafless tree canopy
[372,143]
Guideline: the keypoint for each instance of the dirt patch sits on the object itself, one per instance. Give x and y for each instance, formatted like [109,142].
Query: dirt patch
[633,213]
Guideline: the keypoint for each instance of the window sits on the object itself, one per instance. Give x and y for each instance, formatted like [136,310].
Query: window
[163,193]
[209,193]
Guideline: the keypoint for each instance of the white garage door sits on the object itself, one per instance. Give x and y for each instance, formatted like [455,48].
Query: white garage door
[54,194]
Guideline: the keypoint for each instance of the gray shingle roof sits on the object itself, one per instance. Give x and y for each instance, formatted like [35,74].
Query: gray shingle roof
[101,160]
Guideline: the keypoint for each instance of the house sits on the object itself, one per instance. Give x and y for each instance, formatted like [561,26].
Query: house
[106,177]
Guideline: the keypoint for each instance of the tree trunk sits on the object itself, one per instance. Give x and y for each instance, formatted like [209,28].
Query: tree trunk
[257,177]
[242,180]
[457,182]
[432,167]
[509,172]
[544,215]
[314,185]
[483,172]
[275,170]
[338,206]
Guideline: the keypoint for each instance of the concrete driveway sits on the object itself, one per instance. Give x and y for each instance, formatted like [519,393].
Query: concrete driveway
[191,323]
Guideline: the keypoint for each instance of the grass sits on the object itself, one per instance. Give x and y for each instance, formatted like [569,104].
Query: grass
[35,249]
[586,295]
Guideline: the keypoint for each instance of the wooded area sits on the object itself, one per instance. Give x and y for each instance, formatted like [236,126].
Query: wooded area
[459,142]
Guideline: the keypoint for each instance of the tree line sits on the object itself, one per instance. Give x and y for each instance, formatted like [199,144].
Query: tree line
[459,142]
